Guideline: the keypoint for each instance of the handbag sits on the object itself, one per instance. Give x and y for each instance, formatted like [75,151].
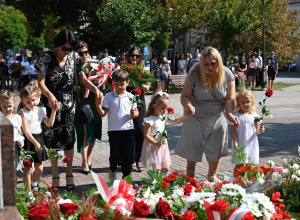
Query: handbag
[85,114]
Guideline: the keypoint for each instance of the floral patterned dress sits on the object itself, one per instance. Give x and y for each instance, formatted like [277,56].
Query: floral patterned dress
[60,83]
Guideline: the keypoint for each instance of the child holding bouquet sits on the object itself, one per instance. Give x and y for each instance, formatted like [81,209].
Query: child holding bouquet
[32,117]
[246,133]
[155,148]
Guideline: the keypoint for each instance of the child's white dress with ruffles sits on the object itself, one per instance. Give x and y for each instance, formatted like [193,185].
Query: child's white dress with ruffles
[153,156]
[246,135]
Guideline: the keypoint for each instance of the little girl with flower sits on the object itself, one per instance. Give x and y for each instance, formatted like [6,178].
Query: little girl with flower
[155,148]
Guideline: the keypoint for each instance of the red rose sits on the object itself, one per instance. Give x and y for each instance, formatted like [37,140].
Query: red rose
[137,91]
[188,188]
[276,197]
[141,71]
[248,216]
[140,76]
[167,179]
[176,173]
[116,64]
[66,159]
[173,176]
[220,206]
[286,215]
[163,208]
[122,62]
[140,209]
[189,215]
[39,212]
[68,208]
[127,68]
[27,163]
[269,93]
[171,110]
[164,184]
[134,69]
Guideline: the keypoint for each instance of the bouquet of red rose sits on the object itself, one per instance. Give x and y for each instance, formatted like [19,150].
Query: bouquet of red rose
[24,158]
[137,75]
[264,110]
[17,67]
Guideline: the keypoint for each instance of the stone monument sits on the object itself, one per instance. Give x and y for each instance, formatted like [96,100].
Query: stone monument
[8,208]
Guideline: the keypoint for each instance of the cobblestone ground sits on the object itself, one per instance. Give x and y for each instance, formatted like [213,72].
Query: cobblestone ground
[281,138]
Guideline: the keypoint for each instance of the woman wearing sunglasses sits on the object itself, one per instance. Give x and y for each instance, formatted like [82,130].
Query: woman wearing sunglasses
[134,56]
[87,134]
[56,71]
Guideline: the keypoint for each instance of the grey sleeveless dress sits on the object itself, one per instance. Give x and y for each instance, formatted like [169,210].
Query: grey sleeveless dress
[206,130]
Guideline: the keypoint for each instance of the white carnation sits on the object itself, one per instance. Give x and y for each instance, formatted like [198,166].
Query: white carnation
[271,163]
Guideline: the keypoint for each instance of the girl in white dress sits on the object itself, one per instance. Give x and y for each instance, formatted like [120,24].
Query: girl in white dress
[246,133]
[32,117]
[7,105]
[155,150]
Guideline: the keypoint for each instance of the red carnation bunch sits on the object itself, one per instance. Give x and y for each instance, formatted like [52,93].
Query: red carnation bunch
[167,179]
[39,212]
[163,208]
[188,188]
[164,185]
[173,176]
[27,163]
[141,209]
[220,206]
[66,159]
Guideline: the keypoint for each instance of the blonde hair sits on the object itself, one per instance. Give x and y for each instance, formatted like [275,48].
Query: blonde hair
[155,100]
[244,93]
[6,95]
[213,53]
[31,89]
[35,84]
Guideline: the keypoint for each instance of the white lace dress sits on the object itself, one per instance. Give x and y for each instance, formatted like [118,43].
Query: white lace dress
[246,135]
[153,156]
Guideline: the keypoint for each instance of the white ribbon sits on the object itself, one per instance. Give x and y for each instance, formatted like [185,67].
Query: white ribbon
[161,93]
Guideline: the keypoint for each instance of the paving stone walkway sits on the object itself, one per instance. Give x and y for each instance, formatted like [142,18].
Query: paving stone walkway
[281,138]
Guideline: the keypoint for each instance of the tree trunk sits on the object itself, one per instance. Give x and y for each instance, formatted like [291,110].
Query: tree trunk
[173,57]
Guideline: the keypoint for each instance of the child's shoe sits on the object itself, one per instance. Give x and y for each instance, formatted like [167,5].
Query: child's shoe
[112,176]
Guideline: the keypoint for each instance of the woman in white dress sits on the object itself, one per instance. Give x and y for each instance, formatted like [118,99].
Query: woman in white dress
[182,65]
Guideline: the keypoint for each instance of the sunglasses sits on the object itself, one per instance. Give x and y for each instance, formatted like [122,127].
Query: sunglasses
[83,53]
[65,49]
[135,55]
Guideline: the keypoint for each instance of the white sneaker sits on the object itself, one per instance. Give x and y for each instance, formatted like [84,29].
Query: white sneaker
[112,176]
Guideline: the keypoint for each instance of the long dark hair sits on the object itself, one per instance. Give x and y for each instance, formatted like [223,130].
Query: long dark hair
[141,61]
[65,36]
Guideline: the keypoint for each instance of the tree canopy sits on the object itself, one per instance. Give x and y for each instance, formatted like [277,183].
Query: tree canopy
[13,32]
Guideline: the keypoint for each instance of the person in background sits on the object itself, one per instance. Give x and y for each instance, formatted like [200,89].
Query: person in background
[252,72]
[122,58]
[134,56]
[195,59]
[177,57]
[154,66]
[3,70]
[243,64]
[105,55]
[272,69]
[25,74]
[99,56]
[182,65]
[15,75]
[33,71]
[86,134]
[259,73]
[164,70]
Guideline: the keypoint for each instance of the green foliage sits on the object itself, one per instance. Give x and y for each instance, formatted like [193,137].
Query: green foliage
[239,156]
[161,42]
[35,43]
[124,23]
[13,32]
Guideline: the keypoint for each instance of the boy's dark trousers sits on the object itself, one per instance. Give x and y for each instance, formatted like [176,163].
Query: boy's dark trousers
[121,144]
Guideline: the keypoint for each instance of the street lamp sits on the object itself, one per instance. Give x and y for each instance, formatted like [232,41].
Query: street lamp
[263,84]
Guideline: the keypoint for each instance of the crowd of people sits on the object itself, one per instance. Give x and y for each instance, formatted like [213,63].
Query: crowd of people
[47,117]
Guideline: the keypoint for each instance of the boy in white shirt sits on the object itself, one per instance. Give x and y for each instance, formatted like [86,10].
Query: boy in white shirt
[25,74]
[120,124]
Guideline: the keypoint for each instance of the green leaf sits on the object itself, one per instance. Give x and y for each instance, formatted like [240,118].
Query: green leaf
[128,179]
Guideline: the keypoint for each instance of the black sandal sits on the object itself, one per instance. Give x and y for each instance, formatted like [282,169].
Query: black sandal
[53,187]
[140,169]
[70,187]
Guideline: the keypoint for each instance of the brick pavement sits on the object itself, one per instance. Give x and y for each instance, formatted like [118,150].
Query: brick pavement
[281,138]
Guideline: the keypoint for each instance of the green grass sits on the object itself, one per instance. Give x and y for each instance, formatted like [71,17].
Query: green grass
[281,85]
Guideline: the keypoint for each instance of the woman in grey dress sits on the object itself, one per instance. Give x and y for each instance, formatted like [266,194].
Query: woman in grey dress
[208,96]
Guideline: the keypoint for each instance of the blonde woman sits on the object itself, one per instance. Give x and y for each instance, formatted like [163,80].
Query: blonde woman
[208,96]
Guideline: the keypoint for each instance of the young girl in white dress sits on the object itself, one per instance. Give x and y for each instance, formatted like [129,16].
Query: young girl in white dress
[154,152]
[246,133]
[32,117]
[7,105]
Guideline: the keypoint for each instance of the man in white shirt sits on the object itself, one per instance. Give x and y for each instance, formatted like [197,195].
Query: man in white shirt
[259,76]
[25,74]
